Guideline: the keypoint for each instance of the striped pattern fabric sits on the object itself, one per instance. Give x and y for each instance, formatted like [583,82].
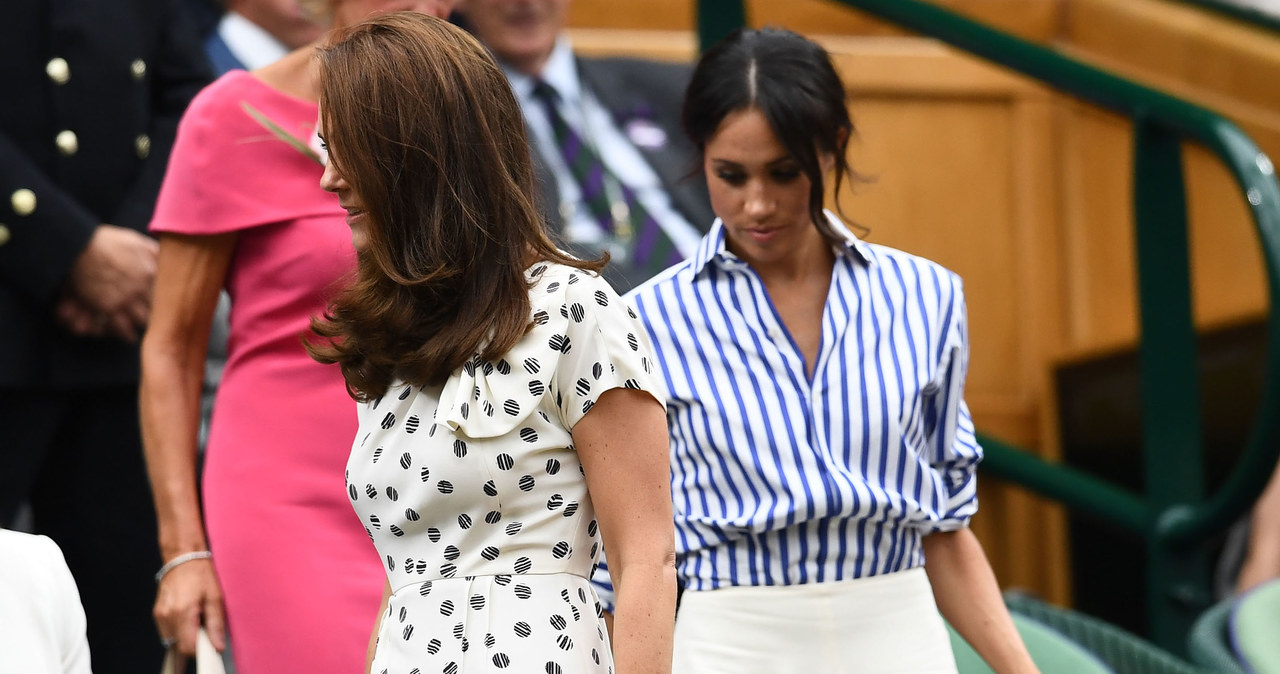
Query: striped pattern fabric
[650,247]
[779,478]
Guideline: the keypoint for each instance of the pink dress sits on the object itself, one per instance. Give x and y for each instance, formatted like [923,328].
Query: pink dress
[301,578]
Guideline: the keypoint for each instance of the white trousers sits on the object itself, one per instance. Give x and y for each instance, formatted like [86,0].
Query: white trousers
[886,623]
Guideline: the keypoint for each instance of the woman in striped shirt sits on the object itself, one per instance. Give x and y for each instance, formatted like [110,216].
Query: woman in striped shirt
[823,458]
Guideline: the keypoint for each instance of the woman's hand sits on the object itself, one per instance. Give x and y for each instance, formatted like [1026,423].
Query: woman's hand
[189,596]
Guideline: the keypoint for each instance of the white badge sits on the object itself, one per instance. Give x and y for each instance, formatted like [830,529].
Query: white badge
[644,133]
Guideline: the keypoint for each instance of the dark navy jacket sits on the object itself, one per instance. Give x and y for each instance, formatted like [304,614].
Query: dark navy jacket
[90,96]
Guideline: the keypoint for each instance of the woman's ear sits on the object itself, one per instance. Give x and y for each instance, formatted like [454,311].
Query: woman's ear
[827,161]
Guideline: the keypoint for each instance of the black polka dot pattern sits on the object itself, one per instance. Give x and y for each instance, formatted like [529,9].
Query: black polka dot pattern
[483,517]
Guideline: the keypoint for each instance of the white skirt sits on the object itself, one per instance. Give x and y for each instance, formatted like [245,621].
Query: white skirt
[886,623]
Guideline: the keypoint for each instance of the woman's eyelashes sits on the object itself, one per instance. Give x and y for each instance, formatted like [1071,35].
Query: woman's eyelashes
[781,175]
[785,174]
[735,178]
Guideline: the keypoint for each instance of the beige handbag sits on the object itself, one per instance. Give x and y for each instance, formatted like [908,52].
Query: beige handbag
[208,660]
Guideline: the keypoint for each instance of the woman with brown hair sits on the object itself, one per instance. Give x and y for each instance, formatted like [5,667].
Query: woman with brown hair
[510,417]
[266,544]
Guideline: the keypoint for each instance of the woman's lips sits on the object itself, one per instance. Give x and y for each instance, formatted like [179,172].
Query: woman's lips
[761,235]
[354,214]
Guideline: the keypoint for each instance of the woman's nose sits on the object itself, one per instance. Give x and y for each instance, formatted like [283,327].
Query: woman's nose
[330,181]
[759,202]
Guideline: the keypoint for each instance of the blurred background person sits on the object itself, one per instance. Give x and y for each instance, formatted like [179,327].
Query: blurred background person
[42,624]
[276,552]
[93,97]
[613,168]
[1262,555]
[253,34]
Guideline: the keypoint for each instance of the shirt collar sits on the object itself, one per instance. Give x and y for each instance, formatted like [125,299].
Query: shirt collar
[713,246]
[248,42]
[560,71]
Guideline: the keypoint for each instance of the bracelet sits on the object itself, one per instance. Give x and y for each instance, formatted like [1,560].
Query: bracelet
[181,559]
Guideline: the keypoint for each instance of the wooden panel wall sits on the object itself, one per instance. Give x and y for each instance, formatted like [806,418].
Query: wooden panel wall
[1035,19]
[1207,59]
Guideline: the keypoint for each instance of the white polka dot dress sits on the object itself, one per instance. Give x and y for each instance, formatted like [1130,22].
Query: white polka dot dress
[474,496]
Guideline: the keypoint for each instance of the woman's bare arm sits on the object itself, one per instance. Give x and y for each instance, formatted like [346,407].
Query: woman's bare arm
[622,443]
[969,598]
[1263,560]
[189,274]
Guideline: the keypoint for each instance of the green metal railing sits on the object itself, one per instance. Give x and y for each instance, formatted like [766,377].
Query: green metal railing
[1249,15]
[1173,513]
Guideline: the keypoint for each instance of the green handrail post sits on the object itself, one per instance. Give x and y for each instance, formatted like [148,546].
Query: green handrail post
[1172,514]
[1172,435]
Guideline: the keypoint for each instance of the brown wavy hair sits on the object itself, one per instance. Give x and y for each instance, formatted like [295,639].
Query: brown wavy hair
[423,126]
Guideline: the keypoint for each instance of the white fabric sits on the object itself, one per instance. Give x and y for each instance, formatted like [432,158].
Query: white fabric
[208,660]
[42,624]
[586,115]
[248,42]
[886,623]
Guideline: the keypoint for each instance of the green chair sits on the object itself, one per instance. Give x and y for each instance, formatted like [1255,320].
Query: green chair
[1121,651]
[1254,628]
[1052,652]
[1209,642]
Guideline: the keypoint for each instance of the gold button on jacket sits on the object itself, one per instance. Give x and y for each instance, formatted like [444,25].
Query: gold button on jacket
[143,145]
[58,70]
[4,235]
[67,142]
[23,201]
[138,68]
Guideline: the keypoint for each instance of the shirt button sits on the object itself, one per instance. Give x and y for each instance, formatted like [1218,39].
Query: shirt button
[23,201]
[138,68]
[58,70]
[4,235]
[143,145]
[67,143]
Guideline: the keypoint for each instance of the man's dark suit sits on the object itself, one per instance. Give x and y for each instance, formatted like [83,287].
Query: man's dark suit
[93,92]
[221,58]
[653,91]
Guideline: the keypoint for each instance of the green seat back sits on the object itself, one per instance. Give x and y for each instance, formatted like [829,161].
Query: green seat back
[1121,651]
[1255,628]
[1052,652]
[1207,643]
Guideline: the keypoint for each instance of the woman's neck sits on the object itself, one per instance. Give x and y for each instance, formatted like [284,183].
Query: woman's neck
[812,259]
[295,74]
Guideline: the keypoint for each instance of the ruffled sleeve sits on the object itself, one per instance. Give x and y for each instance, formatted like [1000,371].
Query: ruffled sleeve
[603,347]
[584,341]
[228,172]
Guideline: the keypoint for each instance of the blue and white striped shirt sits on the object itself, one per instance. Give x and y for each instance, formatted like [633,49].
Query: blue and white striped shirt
[780,479]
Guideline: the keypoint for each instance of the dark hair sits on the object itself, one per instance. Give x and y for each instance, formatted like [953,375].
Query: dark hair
[424,127]
[793,83]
